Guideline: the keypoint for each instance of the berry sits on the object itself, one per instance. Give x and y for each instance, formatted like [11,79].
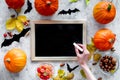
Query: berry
[38,70]
[42,70]
[5,35]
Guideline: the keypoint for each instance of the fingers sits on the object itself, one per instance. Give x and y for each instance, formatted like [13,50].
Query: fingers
[85,51]
[82,46]
[77,52]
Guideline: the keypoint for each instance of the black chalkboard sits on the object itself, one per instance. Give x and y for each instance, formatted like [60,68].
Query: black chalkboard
[56,39]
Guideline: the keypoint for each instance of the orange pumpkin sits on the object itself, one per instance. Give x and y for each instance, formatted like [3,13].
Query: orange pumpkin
[15,60]
[104,39]
[46,7]
[104,12]
[15,4]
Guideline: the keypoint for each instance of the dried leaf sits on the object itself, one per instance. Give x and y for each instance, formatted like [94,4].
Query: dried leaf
[91,48]
[70,76]
[19,25]
[10,24]
[82,73]
[96,57]
[22,18]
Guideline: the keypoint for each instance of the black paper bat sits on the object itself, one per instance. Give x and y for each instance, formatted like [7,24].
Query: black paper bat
[16,37]
[69,11]
[71,69]
[29,8]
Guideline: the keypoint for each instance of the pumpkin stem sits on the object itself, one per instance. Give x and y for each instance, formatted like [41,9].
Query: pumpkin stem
[48,2]
[109,7]
[8,60]
[111,40]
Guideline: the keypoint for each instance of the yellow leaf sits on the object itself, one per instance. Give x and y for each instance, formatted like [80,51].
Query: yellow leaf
[19,25]
[91,48]
[112,71]
[10,24]
[96,57]
[22,18]
[61,73]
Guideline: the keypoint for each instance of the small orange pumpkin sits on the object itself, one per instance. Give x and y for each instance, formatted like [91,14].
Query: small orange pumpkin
[104,12]
[15,4]
[15,60]
[104,39]
[46,7]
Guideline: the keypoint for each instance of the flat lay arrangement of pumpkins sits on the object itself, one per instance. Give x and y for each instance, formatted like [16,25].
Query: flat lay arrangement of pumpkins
[103,12]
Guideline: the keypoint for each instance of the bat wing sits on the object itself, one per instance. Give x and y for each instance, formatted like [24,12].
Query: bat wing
[71,69]
[29,8]
[6,42]
[75,10]
[16,37]
[62,12]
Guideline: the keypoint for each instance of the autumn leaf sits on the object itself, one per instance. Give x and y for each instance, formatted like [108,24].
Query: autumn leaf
[96,57]
[22,18]
[61,73]
[16,23]
[82,73]
[91,48]
[19,25]
[10,24]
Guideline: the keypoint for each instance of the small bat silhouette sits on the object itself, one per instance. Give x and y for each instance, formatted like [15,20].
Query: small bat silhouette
[71,69]
[29,8]
[16,37]
[69,11]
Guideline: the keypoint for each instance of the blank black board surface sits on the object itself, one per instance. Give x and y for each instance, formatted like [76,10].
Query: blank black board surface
[53,40]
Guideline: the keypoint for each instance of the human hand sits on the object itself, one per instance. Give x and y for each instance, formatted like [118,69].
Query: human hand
[82,58]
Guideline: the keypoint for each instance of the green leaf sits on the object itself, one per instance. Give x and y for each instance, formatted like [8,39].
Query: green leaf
[87,2]
[72,1]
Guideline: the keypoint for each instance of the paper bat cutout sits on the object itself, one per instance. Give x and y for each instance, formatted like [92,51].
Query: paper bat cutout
[71,69]
[69,11]
[29,8]
[16,37]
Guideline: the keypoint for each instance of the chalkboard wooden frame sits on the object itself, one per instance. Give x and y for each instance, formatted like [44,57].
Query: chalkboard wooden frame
[68,58]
